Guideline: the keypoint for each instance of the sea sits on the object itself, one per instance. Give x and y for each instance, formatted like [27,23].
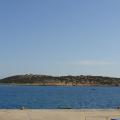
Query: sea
[58,97]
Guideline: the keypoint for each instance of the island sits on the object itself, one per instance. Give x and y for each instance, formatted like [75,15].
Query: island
[46,80]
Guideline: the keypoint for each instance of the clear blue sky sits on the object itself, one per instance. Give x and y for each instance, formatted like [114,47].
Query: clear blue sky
[60,37]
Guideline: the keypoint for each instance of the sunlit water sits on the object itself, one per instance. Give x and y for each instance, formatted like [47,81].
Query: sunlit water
[45,97]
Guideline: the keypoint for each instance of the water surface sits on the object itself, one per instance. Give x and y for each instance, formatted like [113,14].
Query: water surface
[46,97]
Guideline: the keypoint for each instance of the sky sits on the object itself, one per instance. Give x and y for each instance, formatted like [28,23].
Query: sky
[60,37]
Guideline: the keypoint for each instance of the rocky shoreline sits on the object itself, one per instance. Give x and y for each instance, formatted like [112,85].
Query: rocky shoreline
[45,80]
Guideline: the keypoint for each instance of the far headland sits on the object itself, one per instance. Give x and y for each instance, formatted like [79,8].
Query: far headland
[45,80]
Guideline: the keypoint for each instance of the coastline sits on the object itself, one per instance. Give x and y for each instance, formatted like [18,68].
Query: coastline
[62,85]
[45,80]
[59,114]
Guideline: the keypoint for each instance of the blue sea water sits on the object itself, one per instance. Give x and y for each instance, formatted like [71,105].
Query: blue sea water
[46,97]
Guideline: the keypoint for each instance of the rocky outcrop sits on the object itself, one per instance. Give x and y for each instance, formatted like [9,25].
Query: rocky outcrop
[62,80]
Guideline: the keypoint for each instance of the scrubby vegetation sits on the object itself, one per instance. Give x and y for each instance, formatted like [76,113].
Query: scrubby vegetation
[62,80]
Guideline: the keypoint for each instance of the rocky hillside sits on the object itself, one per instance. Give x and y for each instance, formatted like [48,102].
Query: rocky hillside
[62,80]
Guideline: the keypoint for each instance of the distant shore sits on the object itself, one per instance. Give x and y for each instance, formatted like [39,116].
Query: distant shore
[18,84]
[44,80]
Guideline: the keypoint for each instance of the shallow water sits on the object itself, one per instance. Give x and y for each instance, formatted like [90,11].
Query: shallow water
[45,97]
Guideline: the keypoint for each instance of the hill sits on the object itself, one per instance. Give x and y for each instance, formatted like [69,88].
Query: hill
[61,80]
